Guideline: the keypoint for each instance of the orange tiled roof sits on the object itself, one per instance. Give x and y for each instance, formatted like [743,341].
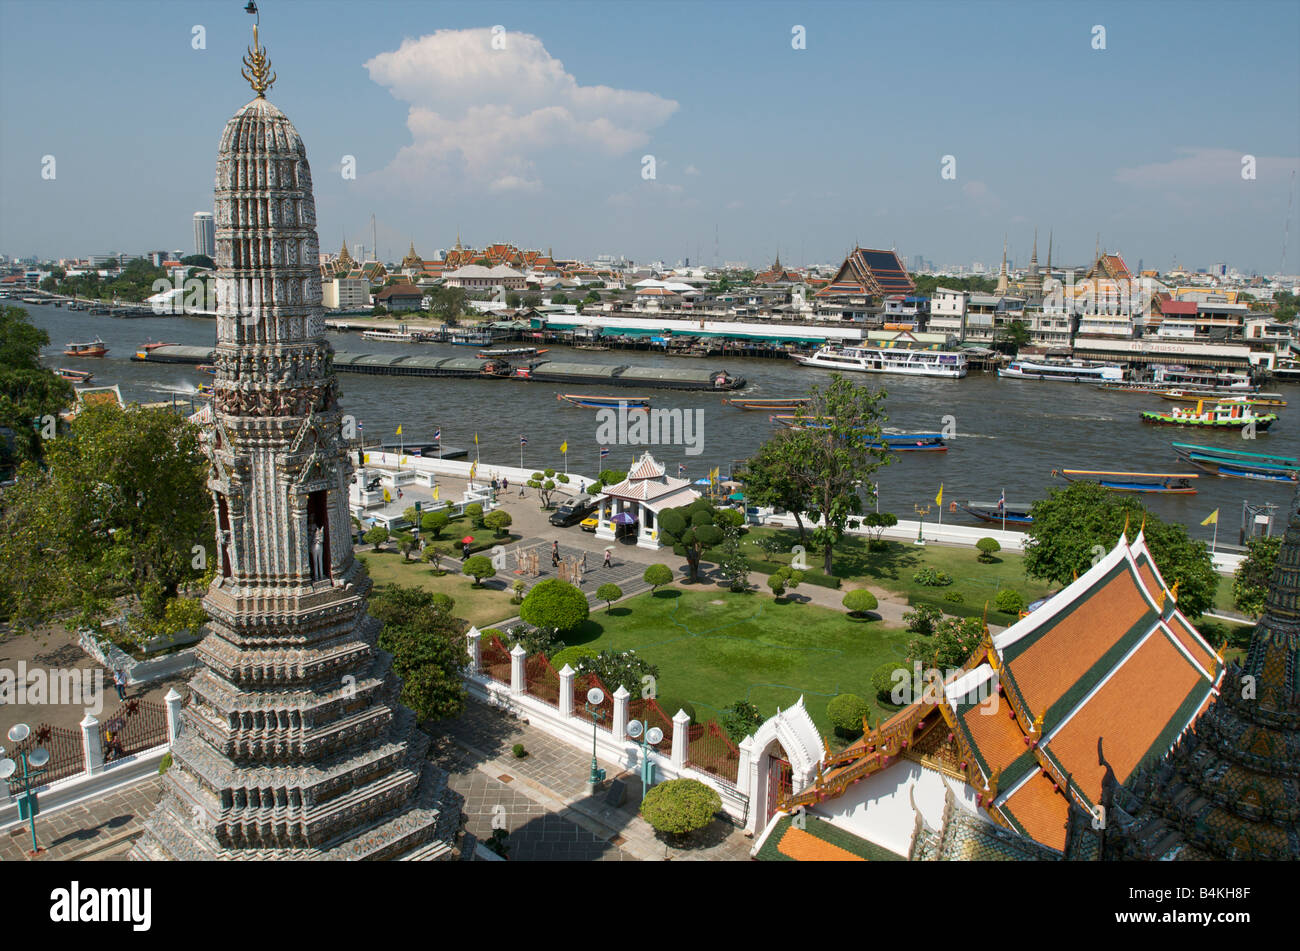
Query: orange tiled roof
[1040,810]
[803,847]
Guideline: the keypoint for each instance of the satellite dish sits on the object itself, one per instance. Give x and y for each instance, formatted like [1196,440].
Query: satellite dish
[7,767]
[18,732]
[39,757]
[654,736]
[634,729]
[595,696]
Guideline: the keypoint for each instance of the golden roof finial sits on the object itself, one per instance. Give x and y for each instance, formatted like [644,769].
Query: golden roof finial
[261,78]
[1174,592]
[1126,514]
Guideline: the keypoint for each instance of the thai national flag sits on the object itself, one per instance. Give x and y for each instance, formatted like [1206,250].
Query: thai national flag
[681,469]
[603,452]
[523,440]
[416,452]
[437,435]
[1002,501]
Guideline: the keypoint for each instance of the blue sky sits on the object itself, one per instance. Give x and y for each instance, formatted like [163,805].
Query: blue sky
[541,143]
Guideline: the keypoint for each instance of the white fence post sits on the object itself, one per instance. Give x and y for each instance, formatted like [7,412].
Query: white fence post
[745,747]
[91,744]
[173,701]
[474,637]
[681,738]
[620,714]
[566,691]
[517,657]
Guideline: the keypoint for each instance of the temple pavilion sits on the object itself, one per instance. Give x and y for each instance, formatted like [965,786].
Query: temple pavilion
[632,506]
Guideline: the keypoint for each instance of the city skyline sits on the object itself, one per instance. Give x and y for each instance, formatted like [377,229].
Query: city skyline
[767,147]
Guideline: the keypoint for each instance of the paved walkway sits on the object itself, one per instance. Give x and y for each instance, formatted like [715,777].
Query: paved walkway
[101,828]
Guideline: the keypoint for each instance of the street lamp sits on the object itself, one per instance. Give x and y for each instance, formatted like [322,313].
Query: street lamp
[650,737]
[922,511]
[595,697]
[33,763]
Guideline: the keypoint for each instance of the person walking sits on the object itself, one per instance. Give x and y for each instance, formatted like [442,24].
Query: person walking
[584,561]
[609,563]
[119,682]
[555,554]
[505,484]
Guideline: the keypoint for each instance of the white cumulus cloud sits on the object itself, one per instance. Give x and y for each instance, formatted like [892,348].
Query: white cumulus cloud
[486,115]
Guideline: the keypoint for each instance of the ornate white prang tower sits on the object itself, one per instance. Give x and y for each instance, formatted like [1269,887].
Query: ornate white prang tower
[294,744]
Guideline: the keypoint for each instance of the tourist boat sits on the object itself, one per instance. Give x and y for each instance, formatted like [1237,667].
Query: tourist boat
[1169,483]
[1072,371]
[769,404]
[1226,414]
[942,363]
[73,376]
[989,512]
[511,352]
[605,402]
[395,336]
[1129,386]
[471,338]
[1192,395]
[1218,381]
[207,368]
[1239,464]
[94,348]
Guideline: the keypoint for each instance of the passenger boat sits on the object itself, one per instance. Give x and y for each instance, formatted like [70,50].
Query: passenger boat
[941,363]
[207,368]
[1218,381]
[1169,483]
[511,352]
[1072,371]
[471,338]
[94,348]
[1191,396]
[894,442]
[989,512]
[769,404]
[73,376]
[396,336]
[605,402]
[1226,414]
[1239,464]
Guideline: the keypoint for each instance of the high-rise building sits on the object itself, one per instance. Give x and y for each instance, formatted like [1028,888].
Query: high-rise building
[294,745]
[205,237]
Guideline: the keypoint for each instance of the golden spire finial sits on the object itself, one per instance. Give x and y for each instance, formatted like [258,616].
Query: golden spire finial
[261,78]
[1126,515]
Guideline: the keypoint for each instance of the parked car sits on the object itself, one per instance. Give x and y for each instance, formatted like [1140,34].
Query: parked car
[571,512]
[589,523]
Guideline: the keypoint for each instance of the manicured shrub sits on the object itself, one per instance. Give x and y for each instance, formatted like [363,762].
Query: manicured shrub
[620,669]
[609,593]
[784,579]
[571,656]
[956,597]
[860,601]
[657,575]
[498,520]
[479,567]
[987,547]
[434,522]
[680,806]
[555,604]
[883,680]
[1009,601]
[846,711]
[376,536]
[519,751]
[474,511]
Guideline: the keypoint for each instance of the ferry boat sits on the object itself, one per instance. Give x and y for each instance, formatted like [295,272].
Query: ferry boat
[94,348]
[942,363]
[511,352]
[73,376]
[1169,483]
[471,338]
[1073,371]
[1227,414]
[605,402]
[769,404]
[1218,381]
[396,336]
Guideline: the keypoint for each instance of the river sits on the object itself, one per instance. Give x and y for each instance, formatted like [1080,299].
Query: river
[1009,433]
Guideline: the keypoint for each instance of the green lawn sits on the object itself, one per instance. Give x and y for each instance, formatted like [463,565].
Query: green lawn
[892,568]
[480,606]
[714,647]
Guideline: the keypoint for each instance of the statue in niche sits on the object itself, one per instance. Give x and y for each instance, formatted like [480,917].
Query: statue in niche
[317,553]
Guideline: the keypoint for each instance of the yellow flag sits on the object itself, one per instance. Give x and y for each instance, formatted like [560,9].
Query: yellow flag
[938,499]
[436,490]
[1213,518]
[473,468]
[365,459]
[564,447]
[387,497]
[476,439]
[399,429]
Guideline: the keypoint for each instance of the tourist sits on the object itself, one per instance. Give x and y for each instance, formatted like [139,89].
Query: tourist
[609,563]
[113,745]
[505,485]
[584,561]
[119,682]
[555,554]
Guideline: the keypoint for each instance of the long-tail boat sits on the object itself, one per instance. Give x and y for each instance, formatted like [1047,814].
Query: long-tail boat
[1239,464]
[73,376]
[604,402]
[1224,414]
[1168,483]
[769,404]
[1192,396]
[989,512]
[894,442]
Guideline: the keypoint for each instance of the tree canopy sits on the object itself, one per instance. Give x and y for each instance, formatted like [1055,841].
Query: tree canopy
[28,391]
[427,646]
[697,527]
[1073,526]
[555,604]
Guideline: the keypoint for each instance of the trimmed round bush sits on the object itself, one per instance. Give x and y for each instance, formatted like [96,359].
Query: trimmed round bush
[987,547]
[657,575]
[1009,601]
[860,601]
[680,806]
[883,680]
[571,656]
[846,711]
[478,567]
[474,512]
[555,604]
[609,593]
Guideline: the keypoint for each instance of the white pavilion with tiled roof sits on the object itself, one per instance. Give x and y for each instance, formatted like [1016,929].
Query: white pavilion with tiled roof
[646,492]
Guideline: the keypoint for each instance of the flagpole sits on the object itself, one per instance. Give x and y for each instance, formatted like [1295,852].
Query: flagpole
[1215,541]
[1004,508]
[939,506]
